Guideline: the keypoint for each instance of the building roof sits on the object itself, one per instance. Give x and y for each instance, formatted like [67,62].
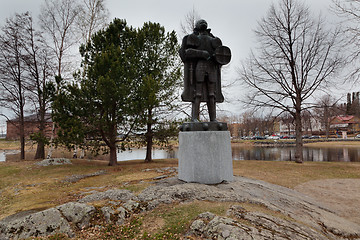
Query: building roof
[33,118]
[344,119]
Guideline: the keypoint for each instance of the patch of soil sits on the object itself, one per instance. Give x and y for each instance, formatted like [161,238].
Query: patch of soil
[341,195]
[153,225]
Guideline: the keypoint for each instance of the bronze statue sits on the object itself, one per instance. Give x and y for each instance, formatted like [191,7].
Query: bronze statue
[203,55]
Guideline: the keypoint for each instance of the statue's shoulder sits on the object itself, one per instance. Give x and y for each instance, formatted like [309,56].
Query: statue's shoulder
[192,40]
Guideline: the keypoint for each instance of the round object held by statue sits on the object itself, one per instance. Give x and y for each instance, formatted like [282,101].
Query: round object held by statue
[222,55]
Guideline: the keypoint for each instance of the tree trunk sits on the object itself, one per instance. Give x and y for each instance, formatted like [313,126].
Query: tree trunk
[40,150]
[22,142]
[299,141]
[52,145]
[149,144]
[113,156]
[149,138]
[22,133]
[326,120]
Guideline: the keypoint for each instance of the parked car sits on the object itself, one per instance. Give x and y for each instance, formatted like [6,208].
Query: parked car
[258,137]
[314,137]
[246,137]
[274,137]
[357,136]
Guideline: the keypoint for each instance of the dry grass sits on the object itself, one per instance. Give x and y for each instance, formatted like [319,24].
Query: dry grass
[334,144]
[25,186]
[290,174]
[10,145]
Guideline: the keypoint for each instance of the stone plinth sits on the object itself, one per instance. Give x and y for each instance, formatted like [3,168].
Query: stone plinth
[205,157]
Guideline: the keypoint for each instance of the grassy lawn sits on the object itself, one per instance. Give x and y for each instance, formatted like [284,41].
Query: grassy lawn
[9,145]
[25,186]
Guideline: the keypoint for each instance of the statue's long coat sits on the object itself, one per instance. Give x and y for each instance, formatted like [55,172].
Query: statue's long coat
[188,94]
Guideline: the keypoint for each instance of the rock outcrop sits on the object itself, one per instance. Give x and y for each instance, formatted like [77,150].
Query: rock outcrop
[295,215]
[53,161]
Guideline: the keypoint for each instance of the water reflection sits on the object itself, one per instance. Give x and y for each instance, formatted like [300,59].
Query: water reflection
[240,152]
[4,153]
[2,156]
[333,154]
[139,154]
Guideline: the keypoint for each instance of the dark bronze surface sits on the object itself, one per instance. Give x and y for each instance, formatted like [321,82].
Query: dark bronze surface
[203,55]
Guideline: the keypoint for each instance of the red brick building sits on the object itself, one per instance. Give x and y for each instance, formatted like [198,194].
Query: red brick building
[31,126]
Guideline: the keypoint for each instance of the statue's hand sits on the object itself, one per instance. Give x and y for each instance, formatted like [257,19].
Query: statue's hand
[206,55]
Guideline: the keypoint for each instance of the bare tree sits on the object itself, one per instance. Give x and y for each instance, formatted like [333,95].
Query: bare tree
[58,22]
[93,16]
[326,108]
[349,12]
[287,120]
[12,80]
[38,67]
[296,56]
[188,25]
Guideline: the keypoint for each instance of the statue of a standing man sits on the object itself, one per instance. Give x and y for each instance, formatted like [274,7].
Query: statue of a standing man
[203,55]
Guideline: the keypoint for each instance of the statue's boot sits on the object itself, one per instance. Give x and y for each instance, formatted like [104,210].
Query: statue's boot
[212,108]
[195,114]
[211,103]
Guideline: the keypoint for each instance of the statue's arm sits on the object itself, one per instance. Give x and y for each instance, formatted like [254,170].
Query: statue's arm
[191,53]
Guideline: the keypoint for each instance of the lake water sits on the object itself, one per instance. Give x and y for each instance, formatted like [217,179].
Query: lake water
[3,154]
[139,154]
[323,154]
[239,152]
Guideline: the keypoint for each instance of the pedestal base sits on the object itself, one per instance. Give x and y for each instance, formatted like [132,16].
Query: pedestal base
[205,157]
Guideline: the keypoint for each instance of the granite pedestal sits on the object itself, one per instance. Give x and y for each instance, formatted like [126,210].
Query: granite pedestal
[205,157]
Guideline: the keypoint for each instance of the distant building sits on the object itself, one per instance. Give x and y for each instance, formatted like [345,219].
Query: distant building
[2,130]
[310,126]
[348,123]
[31,126]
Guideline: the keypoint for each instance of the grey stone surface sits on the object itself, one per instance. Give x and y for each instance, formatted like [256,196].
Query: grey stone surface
[39,224]
[107,212]
[113,194]
[301,208]
[251,225]
[53,161]
[287,214]
[122,215]
[77,213]
[205,157]
[75,178]
[131,205]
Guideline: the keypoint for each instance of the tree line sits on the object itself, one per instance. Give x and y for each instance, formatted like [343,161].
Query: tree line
[125,82]
[318,118]
[127,79]
[298,56]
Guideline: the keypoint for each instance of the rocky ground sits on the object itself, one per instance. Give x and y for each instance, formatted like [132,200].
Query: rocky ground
[286,214]
[341,195]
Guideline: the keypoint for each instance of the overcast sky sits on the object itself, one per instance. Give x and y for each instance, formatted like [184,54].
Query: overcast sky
[230,20]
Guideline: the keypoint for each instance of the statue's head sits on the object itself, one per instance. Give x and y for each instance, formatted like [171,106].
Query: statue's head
[201,25]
